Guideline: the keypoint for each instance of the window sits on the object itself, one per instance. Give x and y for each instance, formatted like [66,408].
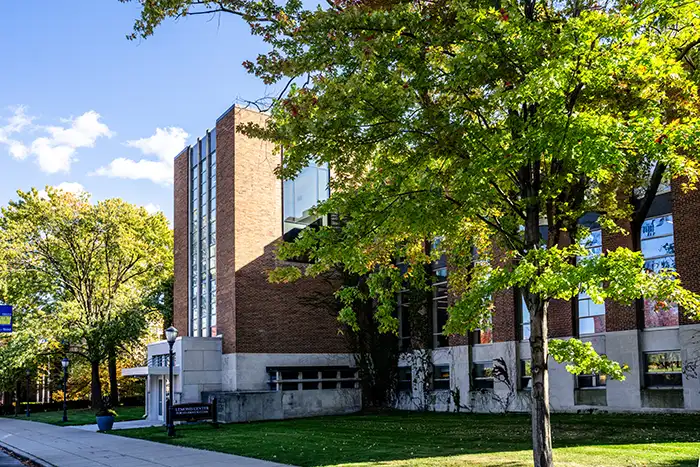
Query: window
[663,369]
[405,378]
[591,316]
[162,360]
[306,191]
[441,377]
[524,318]
[482,375]
[594,381]
[312,378]
[525,374]
[404,317]
[202,236]
[483,336]
[440,304]
[658,248]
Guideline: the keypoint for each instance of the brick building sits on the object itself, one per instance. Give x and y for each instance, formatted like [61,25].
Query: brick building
[248,341]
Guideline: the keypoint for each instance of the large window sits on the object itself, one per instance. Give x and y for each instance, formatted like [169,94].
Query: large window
[307,190]
[203,237]
[440,304]
[312,378]
[591,316]
[659,252]
[663,369]
[523,318]
[482,375]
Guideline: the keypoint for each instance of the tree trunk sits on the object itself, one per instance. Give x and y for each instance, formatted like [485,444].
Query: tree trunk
[96,386]
[539,348]
[113,385]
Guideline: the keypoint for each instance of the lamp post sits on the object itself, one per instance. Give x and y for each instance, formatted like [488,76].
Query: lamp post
[64,364]
[170,336]
[29,373]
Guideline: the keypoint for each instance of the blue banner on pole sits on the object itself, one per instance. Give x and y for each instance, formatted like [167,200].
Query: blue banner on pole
[5,318]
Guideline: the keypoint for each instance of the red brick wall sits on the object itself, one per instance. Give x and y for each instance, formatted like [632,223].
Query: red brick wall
[254,315]
[686,232]
[225,218]
[181,221]
[560,315]
[560,319]
[505,322]
[619,316]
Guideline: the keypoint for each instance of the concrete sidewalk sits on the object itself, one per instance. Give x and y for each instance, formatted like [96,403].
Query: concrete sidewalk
[51,445]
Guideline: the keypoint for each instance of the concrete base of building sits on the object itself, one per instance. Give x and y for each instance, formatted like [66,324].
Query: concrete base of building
[234,407]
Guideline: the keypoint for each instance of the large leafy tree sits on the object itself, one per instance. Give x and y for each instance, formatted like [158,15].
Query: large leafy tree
[479,122]
[77,273]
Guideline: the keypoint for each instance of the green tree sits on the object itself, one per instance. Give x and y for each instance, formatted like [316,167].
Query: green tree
[478,122]
[78,272]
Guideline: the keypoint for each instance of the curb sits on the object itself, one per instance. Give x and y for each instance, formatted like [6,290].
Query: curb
[25,456]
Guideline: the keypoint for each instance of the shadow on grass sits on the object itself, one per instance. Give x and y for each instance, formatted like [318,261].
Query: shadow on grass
[446,439]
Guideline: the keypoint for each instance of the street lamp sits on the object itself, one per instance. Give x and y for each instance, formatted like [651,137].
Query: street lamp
[29,373]
[170,336]
[64,364]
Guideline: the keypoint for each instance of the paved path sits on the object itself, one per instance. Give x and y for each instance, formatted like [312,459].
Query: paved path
[51,445]
[124,425]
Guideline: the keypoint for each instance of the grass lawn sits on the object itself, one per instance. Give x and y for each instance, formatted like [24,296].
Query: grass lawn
[82,416]
[449,440]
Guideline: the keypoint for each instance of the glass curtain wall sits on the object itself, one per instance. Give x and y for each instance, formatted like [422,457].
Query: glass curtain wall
[203,237]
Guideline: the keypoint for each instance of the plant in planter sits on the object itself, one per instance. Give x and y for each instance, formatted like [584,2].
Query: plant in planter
[105,415]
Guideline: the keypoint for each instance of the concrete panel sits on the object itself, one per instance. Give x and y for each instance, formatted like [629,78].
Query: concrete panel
[689,337]
[191,360]
[623,347]
[598,342]
[251,373]
[211,360]
[190,393]
[228,372]
[561,386]
[657,340]
[201,377]
[324,402]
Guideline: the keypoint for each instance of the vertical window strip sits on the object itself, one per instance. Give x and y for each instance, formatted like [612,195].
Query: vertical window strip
[658,247]
[591,316]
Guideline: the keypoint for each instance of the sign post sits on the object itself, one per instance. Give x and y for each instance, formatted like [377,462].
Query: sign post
[5,318]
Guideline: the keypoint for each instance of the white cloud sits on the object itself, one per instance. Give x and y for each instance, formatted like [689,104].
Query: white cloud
[69,187]
[164,144]
[152,208]
[15,124]
[55,152]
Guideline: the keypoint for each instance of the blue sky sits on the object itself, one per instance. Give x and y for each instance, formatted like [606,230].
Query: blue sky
[80,105]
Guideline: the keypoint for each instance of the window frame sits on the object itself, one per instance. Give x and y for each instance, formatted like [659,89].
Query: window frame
[438,383]
[523,376]
[522,306]
[401,382]
[583,297]
[490,380]
[642,239]
[599,382]
[435,299]
[679,373]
